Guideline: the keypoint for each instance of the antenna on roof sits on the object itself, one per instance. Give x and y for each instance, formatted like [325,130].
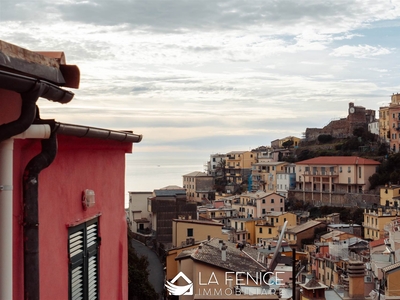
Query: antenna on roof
[276,258]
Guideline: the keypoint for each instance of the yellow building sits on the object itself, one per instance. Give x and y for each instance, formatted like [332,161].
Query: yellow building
[198,186]
[384,128]
[264,175]
[394,123]
[375,220]
[279,142]
[258,204]
[172,265]
[190,231]
[220,214]
[238,166]
[335,235]
[391,277]
[244,229]
[270,226]
[390,195]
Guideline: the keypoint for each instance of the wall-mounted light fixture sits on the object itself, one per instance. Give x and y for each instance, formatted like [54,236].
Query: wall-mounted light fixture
[88,198]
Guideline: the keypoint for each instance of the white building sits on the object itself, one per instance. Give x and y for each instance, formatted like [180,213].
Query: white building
[286,180]
[373,127]
[215,164]
[139,217]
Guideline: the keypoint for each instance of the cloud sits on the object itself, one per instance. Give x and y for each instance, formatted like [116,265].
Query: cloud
[196,75]
[360,51]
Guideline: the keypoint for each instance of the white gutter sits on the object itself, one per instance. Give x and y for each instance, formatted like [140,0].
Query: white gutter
[6,205]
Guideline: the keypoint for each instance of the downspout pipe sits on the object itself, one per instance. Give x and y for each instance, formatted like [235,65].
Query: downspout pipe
[31,215]
[27,116]
[6,205]
[30,90]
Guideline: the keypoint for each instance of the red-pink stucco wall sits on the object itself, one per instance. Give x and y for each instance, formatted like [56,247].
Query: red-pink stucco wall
[80,164]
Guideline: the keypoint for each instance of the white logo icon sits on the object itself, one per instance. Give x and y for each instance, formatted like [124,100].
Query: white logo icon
[177,290]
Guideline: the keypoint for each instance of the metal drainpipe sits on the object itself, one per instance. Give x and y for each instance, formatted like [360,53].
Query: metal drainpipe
[31,216]
[27,116]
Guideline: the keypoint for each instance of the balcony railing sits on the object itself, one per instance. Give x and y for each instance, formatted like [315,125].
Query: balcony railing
[368,225]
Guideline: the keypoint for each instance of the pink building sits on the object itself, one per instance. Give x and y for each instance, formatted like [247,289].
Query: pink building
[326,180]
[62,219]
[257,204]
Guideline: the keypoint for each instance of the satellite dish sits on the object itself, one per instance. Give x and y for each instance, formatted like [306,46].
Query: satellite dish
[274,260]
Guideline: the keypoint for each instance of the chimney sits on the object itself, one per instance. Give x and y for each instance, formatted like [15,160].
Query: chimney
[355,272]
[223,252]
[208,237]
[220,244]
[200,246]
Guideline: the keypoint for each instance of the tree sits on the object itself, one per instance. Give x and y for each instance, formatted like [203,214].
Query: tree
[287,144]
[220,177]
[139,286]
[387,172]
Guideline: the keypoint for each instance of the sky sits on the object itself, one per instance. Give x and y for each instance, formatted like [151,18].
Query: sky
[213,76]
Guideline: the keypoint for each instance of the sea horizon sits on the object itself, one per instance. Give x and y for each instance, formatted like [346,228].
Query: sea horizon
[147,171]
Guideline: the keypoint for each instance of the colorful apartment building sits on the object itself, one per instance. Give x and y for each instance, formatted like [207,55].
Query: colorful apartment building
[165,205]
[63,232]
[325,180]
[375,221]
[257,204]
[297,235]
[186,232]
[221,214]
[391,279]
[394,123]
[264,175]
[286,179]
[279,143]
[138,215]
[269,227]
[244,230]
[238,167]
[384,127]
[199,187]
[390,195]
[216,165]
[392,239]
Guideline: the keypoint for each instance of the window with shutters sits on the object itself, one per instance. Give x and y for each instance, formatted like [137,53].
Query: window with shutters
[83,261]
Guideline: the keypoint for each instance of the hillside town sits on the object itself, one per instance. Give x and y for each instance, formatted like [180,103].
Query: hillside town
[339,238]
[276,222]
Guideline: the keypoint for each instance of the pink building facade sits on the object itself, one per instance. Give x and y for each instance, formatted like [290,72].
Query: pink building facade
[63,229]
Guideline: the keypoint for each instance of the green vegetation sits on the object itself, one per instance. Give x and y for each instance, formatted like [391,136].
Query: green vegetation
[139,286]
[362,143]
[287,144]
[388,171]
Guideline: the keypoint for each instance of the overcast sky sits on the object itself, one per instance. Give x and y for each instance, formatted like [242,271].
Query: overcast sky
[213,75]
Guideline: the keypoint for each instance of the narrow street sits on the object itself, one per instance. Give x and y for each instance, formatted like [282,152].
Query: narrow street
[156,270]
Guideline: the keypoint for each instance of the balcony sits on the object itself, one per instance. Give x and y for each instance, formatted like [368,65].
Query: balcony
[370,226]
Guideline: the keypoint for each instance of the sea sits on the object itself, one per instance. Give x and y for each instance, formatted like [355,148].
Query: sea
[147,171]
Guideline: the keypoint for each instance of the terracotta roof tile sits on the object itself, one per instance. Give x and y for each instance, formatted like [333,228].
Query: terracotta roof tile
[377,242]
[338,160]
